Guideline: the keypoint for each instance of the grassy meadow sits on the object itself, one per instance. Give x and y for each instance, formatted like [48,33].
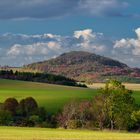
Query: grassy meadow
[52,97]
[16,133]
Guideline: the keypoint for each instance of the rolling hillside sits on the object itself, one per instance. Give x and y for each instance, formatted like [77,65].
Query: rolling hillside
[50,96]
[87,67]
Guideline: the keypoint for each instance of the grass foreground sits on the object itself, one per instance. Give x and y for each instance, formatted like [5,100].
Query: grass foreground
[19,133]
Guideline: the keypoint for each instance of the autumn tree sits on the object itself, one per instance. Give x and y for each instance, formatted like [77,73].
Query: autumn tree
[28,106]
[10,105]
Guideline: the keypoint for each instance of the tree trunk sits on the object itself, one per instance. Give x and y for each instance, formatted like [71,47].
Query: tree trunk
[101,125]
[112,124]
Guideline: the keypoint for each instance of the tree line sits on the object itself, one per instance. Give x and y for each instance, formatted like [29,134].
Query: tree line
[26,112]
[39,77]
[112,108]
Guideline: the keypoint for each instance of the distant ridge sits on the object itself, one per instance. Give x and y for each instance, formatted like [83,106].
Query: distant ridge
[87,67]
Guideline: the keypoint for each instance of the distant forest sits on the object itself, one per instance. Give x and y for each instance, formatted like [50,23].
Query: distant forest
[39,77]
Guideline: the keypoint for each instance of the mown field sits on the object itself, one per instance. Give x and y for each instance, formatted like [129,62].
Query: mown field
[52,97]
[13,133]
[128,85]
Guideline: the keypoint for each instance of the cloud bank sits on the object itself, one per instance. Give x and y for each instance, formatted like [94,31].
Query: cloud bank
[129,49]
[20,49]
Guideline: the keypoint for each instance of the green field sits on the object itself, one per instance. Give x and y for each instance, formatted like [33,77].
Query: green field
[52,97]
[13,133]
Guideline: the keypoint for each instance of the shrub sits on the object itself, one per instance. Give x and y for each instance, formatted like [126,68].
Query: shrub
[5,117]
[73,124]
[34,119]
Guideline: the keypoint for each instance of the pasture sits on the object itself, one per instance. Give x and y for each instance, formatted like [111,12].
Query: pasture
[15,133]
[52,97]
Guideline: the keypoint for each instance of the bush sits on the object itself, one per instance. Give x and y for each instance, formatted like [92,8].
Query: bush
[34,119]
[5,117]
[73,124]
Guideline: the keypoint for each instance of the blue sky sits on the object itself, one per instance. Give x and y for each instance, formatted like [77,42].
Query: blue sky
[65,25]
[106,27]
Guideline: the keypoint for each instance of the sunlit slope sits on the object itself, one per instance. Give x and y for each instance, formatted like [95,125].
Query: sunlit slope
[52,97]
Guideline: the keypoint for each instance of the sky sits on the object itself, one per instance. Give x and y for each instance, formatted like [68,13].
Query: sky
[37,30]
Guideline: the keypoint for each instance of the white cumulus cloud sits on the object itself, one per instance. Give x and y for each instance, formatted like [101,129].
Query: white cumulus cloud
[19,49]
[129,48]
[23,49]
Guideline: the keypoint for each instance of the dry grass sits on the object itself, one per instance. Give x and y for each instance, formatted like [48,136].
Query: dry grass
[13,133]
[128,85]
